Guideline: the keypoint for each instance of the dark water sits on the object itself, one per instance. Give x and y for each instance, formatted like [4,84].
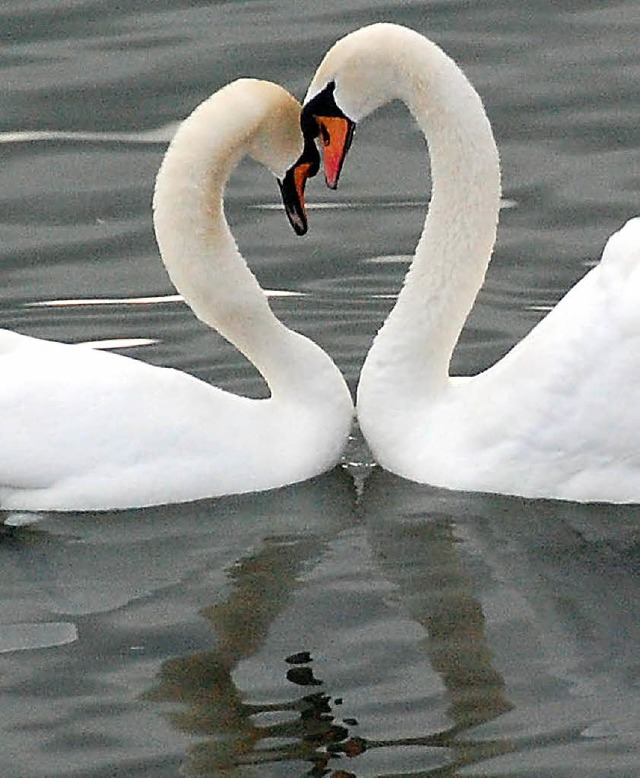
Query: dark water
[448,635]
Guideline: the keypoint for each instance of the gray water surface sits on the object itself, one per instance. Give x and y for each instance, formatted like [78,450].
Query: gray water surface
[447,634]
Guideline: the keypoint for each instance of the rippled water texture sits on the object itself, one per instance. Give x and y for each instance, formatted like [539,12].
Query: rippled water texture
[388,630]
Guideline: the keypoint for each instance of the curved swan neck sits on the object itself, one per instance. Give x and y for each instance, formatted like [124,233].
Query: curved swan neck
[417,340]
[196,244]
[459,232]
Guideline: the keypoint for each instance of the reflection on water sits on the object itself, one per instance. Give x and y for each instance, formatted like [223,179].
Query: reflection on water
[301,728]
[138,586]
[532,617]
[424,561]
[306,631]
[497,585]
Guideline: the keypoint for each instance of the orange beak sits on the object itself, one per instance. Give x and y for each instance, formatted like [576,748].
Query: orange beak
[293,185]
[336,134]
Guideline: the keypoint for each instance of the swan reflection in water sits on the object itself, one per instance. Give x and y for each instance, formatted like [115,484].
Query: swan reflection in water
[449,629]
[516,611]
[313,725]
[532,615]
[130,585]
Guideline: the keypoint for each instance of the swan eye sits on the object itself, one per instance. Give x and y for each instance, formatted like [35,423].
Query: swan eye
[322,118]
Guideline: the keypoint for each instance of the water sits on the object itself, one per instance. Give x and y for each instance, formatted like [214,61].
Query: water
[448,634]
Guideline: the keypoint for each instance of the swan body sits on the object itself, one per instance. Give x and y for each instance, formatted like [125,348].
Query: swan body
[559,415]
[88,430]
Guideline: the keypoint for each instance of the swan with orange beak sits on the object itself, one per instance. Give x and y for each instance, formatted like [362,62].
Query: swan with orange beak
[558,416]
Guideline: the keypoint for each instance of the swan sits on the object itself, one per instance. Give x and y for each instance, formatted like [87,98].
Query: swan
[559,415]
[89,430]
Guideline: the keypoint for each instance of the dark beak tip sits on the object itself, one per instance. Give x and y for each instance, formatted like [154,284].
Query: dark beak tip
[298,221]
[292,206]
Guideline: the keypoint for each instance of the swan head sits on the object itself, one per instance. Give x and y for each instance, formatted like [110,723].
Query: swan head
[276,140]
[248,117]
[359,73]
[322,118]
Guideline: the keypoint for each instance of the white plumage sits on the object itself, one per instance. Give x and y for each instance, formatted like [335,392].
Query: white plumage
[559,415]
[89,430]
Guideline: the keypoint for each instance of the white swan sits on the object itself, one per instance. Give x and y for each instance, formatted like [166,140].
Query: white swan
[559,415]
[89,430]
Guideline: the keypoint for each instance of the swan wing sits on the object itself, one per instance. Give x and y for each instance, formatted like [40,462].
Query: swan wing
[73,415]
[566,399]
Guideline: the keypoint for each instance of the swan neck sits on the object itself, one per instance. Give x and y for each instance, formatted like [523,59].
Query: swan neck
[459,232]
[199,250]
